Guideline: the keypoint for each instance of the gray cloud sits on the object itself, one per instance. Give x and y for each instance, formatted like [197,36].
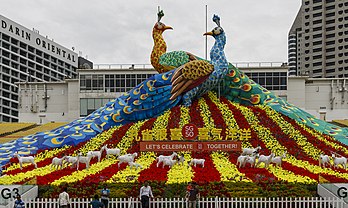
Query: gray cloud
[115,31]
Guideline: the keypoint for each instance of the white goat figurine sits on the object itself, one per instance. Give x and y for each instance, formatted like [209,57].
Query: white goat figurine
[127,158]
[241,160]
[84,159]
[160,158]
[71,160]
[324,160]
[136,165]
[27,159]
[279,159]
[97,153]
[195,161]
[339,160]
[265,159]
[58,162]
[169,162]
[113,151]
[180,159]
[251,151]
[251,160]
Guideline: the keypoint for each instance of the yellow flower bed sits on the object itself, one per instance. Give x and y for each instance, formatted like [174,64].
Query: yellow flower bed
[181,173]
[39,157]
[81,174]
[228,171]
[292,133]
[289,176]
[14,179]
[145,159]
[98,140]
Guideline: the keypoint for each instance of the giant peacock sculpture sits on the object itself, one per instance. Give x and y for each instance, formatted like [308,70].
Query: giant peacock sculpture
[238,87]
[149,99]
[188,79]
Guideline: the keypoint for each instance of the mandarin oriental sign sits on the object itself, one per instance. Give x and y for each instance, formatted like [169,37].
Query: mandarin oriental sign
[163,146]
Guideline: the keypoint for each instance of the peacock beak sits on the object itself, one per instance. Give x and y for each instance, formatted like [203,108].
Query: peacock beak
[208,33]
[167,27]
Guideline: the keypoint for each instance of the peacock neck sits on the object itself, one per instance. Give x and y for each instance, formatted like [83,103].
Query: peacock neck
[159,48]
[217,54]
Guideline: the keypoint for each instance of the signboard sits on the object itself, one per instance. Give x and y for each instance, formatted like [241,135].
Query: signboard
[189,131]
[170,146]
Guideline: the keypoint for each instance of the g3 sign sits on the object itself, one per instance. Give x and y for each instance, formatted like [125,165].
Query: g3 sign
[7,193]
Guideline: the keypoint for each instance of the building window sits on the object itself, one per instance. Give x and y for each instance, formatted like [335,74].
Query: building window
[317,21]
[270,80]
[89,105]
[317,7]
[319,35]
[331,14]
[330,21]
[330,7]
[317,29]
[317,14]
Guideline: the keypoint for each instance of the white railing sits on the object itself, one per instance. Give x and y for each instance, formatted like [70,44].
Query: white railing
[149,66]
[203,203]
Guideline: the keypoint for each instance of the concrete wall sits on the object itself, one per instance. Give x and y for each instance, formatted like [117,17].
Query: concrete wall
[62,102]
[296,93]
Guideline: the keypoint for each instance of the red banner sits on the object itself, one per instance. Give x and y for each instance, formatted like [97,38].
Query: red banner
[170,146]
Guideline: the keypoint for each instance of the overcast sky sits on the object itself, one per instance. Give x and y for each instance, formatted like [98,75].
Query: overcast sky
[119,31]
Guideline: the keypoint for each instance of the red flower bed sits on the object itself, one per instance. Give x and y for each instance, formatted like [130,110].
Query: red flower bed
[255,174]
[154,173]
[292,146]
[217,116]
[316,142]
[195,114]
[174,120]
[207,174]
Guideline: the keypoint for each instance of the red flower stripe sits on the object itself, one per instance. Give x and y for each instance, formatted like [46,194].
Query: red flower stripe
[195,114]
[327,149]
[207,174]
[255,174]
[292,146]
[154,173]
[216,115]
[174,120]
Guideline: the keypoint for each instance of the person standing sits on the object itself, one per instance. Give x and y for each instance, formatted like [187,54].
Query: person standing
[145,194]
[192,196]
[64,200]
[105,193]
[96,203]
[19,203]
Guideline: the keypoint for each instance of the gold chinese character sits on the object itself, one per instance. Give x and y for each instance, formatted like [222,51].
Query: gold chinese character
[160,134]
[245,134]
[176,134]
[203,134]
[216,134]
[147,135]
[232,134]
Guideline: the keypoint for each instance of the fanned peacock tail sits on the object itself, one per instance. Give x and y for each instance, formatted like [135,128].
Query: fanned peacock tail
[239,88]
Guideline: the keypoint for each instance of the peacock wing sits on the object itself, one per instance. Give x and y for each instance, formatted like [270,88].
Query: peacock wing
[176,59]
[150,98]
[190,75]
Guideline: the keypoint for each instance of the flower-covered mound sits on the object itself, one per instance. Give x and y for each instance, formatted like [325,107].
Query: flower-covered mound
[224,120]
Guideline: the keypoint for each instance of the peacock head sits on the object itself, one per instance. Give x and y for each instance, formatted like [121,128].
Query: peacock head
[217,32]
[159,26]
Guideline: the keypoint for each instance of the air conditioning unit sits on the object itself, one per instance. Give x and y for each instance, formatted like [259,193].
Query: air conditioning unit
[34,108]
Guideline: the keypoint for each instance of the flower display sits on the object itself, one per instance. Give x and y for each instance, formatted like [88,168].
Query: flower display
[273,132]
